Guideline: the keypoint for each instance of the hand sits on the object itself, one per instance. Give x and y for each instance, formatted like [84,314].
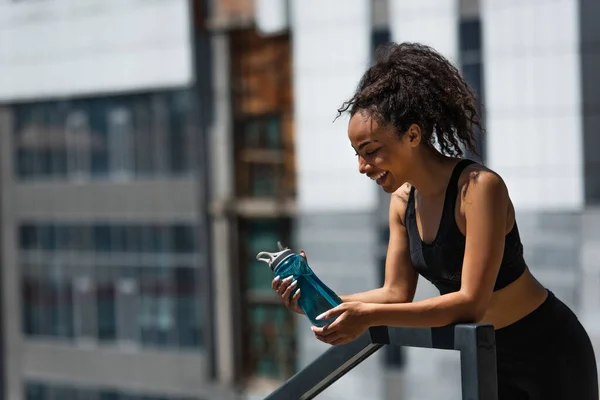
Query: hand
[352,321]
[284,289]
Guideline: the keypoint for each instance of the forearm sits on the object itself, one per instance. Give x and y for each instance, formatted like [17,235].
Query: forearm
[437,311]
[381,295]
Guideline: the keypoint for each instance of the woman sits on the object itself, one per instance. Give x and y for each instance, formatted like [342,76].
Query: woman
[451,221]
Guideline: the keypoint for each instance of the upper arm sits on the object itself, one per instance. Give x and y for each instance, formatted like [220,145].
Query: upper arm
[400,275]
[485,202]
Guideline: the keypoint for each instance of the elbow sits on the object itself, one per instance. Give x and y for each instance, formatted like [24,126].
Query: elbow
[473,310]
[396,296]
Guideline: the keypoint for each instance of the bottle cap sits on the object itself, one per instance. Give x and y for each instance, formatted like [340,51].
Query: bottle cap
[274,259]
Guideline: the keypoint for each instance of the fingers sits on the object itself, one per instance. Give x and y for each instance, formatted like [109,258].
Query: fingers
[295,298]
[333,338]
[303,254]
[324,331]
[283,285]
[287,294]
[275,283]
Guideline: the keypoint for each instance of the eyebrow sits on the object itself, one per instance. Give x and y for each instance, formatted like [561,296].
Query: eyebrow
[363,144]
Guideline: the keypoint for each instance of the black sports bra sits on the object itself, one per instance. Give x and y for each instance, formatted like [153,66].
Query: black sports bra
[440,262]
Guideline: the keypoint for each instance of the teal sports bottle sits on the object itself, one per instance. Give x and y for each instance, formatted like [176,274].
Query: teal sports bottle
[315,296]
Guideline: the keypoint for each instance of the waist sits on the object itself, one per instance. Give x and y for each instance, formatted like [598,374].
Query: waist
[515,301]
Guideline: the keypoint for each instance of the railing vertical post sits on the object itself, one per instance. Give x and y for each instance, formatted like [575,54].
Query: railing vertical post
[477,346]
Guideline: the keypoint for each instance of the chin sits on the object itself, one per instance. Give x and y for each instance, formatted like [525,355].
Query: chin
[390,188]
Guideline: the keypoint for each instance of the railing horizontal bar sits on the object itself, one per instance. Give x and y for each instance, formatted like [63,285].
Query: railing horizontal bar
[330,366]
[430,338]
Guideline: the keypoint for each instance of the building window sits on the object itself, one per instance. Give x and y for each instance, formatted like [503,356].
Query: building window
[131,283]
[269,328]
[117,137]
[262,169]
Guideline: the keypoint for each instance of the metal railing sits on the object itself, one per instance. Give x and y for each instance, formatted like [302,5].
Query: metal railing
[476,343]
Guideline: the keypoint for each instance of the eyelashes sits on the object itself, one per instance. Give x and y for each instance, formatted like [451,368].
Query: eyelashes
[369,153]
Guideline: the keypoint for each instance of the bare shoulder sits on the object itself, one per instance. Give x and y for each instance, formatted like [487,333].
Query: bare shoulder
[478,181]
[399,201]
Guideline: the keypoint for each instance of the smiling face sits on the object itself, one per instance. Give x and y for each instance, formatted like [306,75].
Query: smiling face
[382,155]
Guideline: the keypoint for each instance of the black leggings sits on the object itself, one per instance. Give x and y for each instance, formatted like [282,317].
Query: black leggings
[546,355]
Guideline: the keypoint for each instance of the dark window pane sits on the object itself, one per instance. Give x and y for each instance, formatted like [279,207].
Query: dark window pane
[273,135]
[48,237]
[105,301]
[470,35]
[163,239]
[31,296]
[132,239]
[71,237]
[145,125]
[109,395]
[36,391]
[251,134]
[379,37]
[187,307]
[264,180]
[118,238]
[184,238]
[102,238]
[29,237]
[62,392]
[472,74]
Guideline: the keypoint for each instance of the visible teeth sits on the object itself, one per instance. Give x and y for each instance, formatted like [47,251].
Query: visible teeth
[381,175]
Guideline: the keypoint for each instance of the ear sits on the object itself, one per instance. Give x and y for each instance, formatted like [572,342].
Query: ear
[413,135]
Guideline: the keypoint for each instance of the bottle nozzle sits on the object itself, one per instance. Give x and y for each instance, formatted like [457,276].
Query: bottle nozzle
[273,259]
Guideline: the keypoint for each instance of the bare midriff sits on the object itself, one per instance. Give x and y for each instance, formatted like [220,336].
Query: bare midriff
[515,301]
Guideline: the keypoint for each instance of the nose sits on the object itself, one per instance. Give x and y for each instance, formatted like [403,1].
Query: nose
[363,166]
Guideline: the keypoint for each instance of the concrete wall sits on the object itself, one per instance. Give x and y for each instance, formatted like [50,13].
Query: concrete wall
[533,101]
[430,22]
[92,46]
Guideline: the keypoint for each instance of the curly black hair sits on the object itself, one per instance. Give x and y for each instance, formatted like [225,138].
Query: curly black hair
[412,83]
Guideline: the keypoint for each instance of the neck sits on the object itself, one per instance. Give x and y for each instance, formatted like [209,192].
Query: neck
[432,173]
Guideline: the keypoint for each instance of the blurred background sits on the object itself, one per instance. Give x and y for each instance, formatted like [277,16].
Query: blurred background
[149,149]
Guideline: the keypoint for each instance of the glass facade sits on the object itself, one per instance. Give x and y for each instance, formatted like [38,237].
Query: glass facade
[105,138]
[54,391]
[112,283]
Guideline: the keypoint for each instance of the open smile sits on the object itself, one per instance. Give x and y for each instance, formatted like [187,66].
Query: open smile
[379,178]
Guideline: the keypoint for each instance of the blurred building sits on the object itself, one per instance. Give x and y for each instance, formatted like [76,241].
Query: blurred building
[104,246]
[149,150]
